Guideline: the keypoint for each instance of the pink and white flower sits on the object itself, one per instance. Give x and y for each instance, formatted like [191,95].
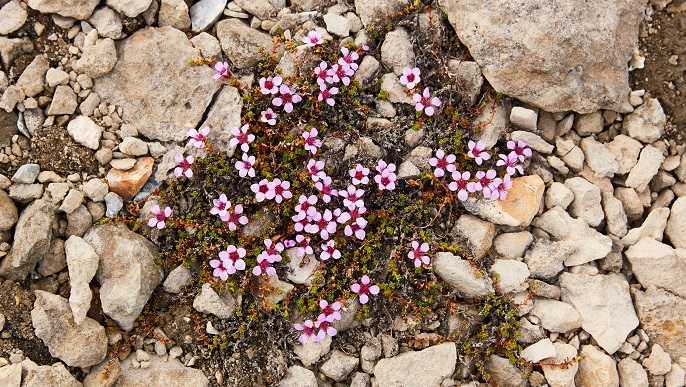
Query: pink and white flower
[320,72]
[442,163]
[511,162]
[417,253]
[483,183]
[269,116]
[339,73]
[359,174]
[312,144]
[327,94]
[324,326]
[270,85]
[324,186]
[307,329]
[198,138]
[279,190]
[382,166]
[245,166]
[260,189]
[184,165]
[314,38]
[263,266]
[160,216]
[519,149]
[287,98]
[352,197]
[502,186]
[386,179]
[241,136]
[477,151]
[232,259]
[410,77]
[315,169]
[220,271]
[364,289]
[306,205]
[425,102]
[349,58]
[331,311]
[329,251]
[221,206]
[273,250]
[235,218]
[222,70]
[357,228]
[303,244]
[459,184]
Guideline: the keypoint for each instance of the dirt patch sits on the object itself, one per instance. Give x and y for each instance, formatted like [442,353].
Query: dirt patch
[54,150]
[660,41]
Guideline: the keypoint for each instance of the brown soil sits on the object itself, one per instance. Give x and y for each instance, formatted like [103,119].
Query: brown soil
[54,150]
[659,41]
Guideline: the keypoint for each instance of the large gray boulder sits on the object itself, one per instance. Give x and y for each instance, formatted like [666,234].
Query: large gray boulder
[162,96]
[242,44]
[170,373]
[127,272]
[568,55]
[663,317]
[418,369]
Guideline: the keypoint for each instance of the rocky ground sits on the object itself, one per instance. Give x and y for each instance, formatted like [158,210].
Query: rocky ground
[575,278]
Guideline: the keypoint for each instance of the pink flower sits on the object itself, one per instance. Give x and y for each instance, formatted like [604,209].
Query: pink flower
[460,183]
[220,206]
[307,329]
[320,72]
[235,217]
[198,138]
[306,205]
[327,94]
[263,266]
[519,149]
[329,251]
[219,270]
[324,326]
[425,102]
[502,186]
[314,168]
[312,144]
[442,163]
[270,85]
[417,253]
[300,220]
[382,166]
[477,151]
[232,259]
[222,70]
[278,190]
[160,216]
[339,73]
[269,116]
[273,251]
[349,58]
[341,217]
[359,174]
[241,136]
[510,161]
[260,189]
[303,244]
[184,165]
[410,78]
[287,98]
[314,38]
[324,186]
[323,223]
[386,179]
[352,197]
[357,228]
[245,167]
[331,311]
[483,183]
[364,289]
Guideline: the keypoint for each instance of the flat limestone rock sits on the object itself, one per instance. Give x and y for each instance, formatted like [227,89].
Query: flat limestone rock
[518,209]
[418,369]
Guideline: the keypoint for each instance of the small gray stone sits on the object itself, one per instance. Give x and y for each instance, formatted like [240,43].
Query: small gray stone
[589,124]
[63,102]
[56,77]
[95,189]
[297,376]
[407,170]
[459,274]
[511,275]
[626,151]
[533,141]
[208,301]
[12,17]
[97,59]
[86,132]
[648,164]
[32,80]
[114,204]
[205,13]
[71,202]
[647,122]
[659,362]
[599,158]
[524,118]
[130,8]
[397,52]
[177,278]
[586,204]
[107,22]
[479,234]
[337,25]
[339,366]
[27,174]
[512,245]
[558,195]
[556,316]
[133,146]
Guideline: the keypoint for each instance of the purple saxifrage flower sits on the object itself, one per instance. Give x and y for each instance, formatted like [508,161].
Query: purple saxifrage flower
[241,136]
[270,85]
[410,77]
[269,116]
[286,98]
[477,151]
[417,253]
[222,70]
[364,289]
[198,138]
[184,165]
[426,102]
[160,216]
[313,38]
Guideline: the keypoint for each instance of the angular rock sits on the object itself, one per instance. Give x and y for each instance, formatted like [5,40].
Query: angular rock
[224,114]
[25,193]
[545,259]
[558,195]
[12,17]
[467,75]
[663,317]
[648,164]
[55,375]
[169,373]
[128,274]
[81,345]
[95,189]
[542,349]
[104,374]
[631,374]
[631,203]
[396,51]
[533,141]
[83,263]
[133,146]
[71,202]
[260,8]
[589,124]
[395,91]
[537,47]
[56,77]
[205,13]
[8,212]
[586,204]
[461,276]
[10,375]
[503,373]
[242,44]
[297,376]
[301,270]
[114,204]
[562,376]
[130,8]
[652,227]
[373,10]
[524,118]
[626,151]
[604,304]
[517,210]
[556,316]
[477,233]
[310,352]
[676,376]
[107,22]
[86,132]
[63,101]
[512,245]
[31,240]
[614,215]
[596,368]
[676,225]
[78,221]
[278,290]
[208,45]
[647,122]
[55,260]
[337,25]
[511,274]
[97,59]
[177,278]
[139,83]
[659,362]
[655,263]
[599,158]
[32,80]
[208,301]
[174,13]
[339,366]
[127,183]
[436,362]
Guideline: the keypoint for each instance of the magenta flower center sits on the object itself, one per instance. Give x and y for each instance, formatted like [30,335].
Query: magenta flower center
[264,264]
[199,137]
[278,190]
[247,165]
[242,138]
[326,94]
[364,288]
[385,180]
[160,217]
[484,181]
[328,310]
[410,78]
[307,330]
[184,165]
[233,256]
[268,84]
[442,163]
[461,184]
[286,98]
[263,189]
[221,206]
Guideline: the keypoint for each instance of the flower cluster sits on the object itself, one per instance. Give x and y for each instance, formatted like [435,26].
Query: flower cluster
[329,314]
[424,101]
[341,72]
